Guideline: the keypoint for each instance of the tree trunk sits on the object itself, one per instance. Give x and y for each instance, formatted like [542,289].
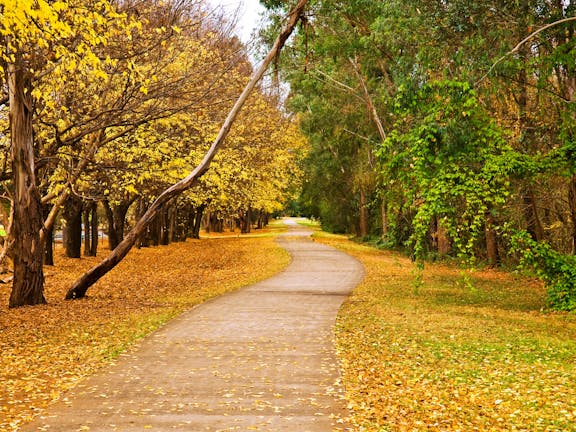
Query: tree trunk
[491,241]
[215,223]
[28,250]
[165,227]
[48,239]
[384,215]
[87,230]
[198,221]
[116,217]
[72,230]
[442,240]
[173,234]
[94,229]
[572,203]
[90,228]
[530,210]
[528,142]
[245,218]
[363,213]
[119,211]
[80,287]
[112,237]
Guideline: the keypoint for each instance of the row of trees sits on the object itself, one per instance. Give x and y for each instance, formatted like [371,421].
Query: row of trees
[441,126]
[108,103]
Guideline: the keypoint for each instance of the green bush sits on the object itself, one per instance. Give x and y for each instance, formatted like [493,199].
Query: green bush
[556,270]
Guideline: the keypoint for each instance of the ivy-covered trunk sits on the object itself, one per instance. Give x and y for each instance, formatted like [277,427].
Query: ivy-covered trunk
[28,250]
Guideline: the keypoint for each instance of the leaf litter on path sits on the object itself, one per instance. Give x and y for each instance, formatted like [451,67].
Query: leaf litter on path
[48,349]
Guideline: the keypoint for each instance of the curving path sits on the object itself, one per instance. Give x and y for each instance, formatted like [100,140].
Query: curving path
[261,358]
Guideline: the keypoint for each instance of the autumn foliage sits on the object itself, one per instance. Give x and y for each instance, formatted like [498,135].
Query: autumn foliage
[108,104]
[48,349]
[453,350]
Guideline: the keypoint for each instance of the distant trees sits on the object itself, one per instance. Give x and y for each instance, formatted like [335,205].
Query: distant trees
[110,103]
[433,128]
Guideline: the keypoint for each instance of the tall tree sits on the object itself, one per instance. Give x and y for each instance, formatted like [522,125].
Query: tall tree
[80,287]
[36,37]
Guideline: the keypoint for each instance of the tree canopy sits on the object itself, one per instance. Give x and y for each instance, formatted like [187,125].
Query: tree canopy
[109,104]
[440,127]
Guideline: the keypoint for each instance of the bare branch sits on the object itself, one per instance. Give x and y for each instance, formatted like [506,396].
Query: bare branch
[522,42]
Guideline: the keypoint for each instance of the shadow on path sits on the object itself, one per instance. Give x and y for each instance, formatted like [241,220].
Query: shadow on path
[261,358]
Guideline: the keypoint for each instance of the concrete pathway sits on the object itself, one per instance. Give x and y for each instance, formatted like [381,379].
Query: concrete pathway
[261,358]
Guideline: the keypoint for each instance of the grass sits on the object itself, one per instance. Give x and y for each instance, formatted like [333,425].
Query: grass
[461,351]
[48,349]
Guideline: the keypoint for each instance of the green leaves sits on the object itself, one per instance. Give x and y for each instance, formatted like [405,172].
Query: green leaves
[451,160]
[558,271]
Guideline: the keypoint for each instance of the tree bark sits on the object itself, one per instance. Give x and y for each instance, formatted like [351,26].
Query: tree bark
[28,249]
[94,225]
[491,241]
[199,213]
[527,139]
[112,237]
[87,231]
[363,213]
[48,239]
[80,287]
[533,223]
[244,219]
[90,228]
[572,204]
[72,231]
[116,217]
[384,216]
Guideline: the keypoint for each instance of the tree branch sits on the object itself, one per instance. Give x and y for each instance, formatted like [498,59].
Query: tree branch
[80,287]
[522,42]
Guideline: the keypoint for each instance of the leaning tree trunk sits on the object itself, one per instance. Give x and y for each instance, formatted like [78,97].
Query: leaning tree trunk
[80,287]
[28,250]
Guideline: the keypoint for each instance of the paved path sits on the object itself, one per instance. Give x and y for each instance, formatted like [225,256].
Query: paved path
[261,358]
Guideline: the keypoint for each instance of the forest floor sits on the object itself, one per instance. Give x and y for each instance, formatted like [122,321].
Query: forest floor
[452,349]
[46,350]
[259,358]
[445,350]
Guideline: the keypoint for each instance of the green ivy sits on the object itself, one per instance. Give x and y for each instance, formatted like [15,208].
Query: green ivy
[557,271]
[449,159]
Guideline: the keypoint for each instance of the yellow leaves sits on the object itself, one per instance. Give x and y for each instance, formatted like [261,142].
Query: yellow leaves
[59,6]
[42,347]
[446,360]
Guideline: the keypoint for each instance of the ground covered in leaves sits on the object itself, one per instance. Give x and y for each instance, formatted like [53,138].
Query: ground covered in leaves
[460,352]
[48,349]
